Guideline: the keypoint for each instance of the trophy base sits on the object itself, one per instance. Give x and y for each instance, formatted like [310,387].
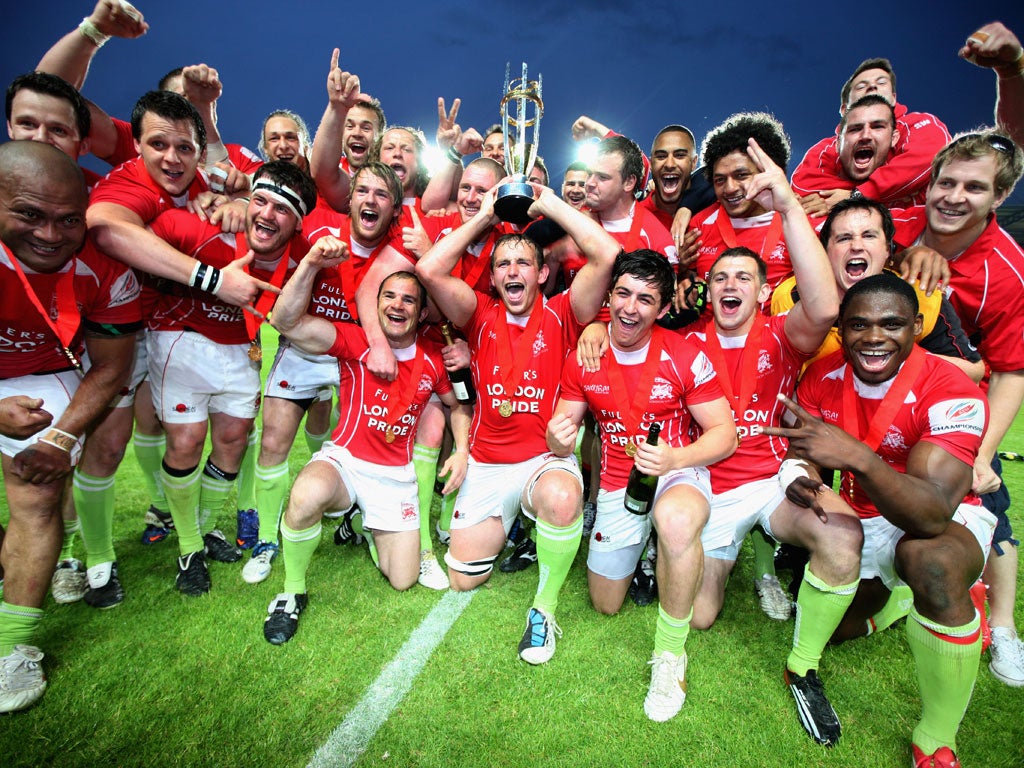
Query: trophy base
[513,201]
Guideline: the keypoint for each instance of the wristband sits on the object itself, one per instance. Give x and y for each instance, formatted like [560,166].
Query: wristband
[91,31]
[215,276]
[789,471]
[58,438]
[204,277]
[198,274]
[453,156]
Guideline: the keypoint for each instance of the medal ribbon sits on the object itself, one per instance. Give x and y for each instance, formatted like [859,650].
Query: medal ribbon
[266,300]
[399,397]
[887,410]
[349,282]
[748,364]
[771,237]
[65,326]
[633,236]
[483,260]
[642,394]
[512,369]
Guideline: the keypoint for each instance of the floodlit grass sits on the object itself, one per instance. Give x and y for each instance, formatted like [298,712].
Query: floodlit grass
[166,680]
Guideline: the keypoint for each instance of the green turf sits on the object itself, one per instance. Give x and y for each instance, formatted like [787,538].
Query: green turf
[166,680]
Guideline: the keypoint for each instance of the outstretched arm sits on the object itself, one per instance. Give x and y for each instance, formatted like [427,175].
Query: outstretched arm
[453,296]
[314,335]
[807,323]
[590,287]
[70,57]
[342,94]
[995,47]
[920,501]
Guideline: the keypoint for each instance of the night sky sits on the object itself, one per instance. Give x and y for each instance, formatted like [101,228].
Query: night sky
[635,70]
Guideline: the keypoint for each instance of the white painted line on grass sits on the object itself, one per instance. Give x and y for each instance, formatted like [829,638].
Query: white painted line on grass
[350,739]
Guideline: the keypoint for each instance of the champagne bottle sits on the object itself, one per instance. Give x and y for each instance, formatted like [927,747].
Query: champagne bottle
[640,488]
[461,379]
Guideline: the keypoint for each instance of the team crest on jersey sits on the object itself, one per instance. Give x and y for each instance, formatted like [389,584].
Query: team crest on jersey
[893,440]
[779,254]
[962,415]
[425,385]
[764,363]
[538,344]
[703,370]
[661,389]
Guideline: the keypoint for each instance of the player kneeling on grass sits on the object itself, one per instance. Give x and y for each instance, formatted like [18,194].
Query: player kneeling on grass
[62,300]
[649,375]
[368,460]
[903,427]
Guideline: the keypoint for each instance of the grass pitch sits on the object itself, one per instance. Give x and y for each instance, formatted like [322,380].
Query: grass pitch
[167,680]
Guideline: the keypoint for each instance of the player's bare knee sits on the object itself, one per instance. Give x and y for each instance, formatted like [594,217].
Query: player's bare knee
[705,613]
[606,605]
[559,503]
[678,528]
[936,572]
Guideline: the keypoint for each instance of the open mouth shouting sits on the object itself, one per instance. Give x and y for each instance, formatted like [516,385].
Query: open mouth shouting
[856,268]
[671,184]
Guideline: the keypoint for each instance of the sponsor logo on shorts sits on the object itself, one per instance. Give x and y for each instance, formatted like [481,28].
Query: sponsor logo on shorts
[598,536]
[183,408]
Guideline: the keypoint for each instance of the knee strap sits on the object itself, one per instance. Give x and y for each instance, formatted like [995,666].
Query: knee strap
[480,567]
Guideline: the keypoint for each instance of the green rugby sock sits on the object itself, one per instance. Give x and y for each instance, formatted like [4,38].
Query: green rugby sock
[895,608]
[670,633]
[182,490]
[149,452]
[447,510]
[17,625]
[216,487]
[556,549]
[297,548]
[947,666]
[94,502]
[246,480]
[819,609]
[424,461]
[271,492]
[764,552]
[315,442]
[67,547]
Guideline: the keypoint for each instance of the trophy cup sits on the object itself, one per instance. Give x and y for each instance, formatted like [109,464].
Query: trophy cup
[521,109]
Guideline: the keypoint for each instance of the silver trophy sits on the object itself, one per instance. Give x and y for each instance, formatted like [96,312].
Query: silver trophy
[521,109]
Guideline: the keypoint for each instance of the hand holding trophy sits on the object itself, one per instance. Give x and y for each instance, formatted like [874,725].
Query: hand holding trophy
[521,109]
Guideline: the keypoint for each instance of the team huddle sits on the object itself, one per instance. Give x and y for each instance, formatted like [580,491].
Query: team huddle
[856,326]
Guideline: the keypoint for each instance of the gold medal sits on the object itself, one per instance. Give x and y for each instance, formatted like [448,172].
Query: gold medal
[630,449]
[255,352]
[71,357]
[389,436]
[505,409]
